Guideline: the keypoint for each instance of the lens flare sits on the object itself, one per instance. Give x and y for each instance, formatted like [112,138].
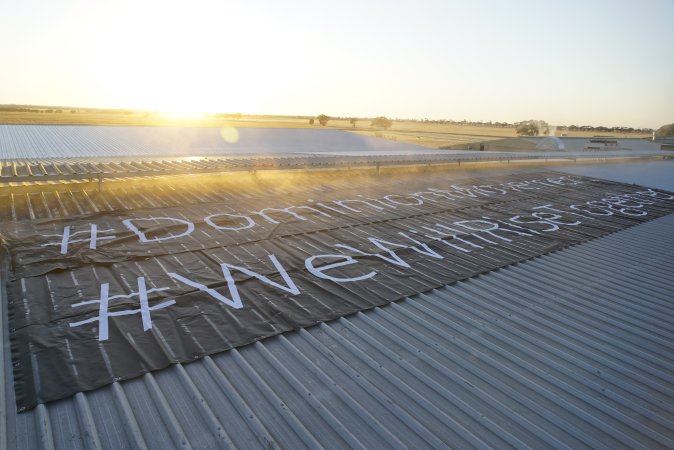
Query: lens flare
[230,135]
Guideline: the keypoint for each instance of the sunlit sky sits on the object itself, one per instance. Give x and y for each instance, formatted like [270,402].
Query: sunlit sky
[572,62]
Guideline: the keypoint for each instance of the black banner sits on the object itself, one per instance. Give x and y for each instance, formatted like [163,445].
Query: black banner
[107,296]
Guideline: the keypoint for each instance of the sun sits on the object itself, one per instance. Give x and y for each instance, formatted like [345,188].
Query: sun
[178,67]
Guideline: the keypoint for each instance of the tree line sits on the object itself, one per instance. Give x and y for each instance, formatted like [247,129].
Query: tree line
[377,122]
[523,128]
[61,109]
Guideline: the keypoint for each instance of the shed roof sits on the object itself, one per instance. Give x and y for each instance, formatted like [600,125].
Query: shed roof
[571,349]
[69,141]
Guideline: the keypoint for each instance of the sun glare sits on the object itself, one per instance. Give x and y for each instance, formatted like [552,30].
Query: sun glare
[176,66]
[182,114]
[230,135]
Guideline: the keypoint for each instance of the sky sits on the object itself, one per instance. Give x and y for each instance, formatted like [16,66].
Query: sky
[589,62]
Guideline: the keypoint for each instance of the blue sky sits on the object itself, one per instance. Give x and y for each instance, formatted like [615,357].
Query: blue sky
[574,62]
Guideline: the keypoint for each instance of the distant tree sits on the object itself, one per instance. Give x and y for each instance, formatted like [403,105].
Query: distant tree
[311,121]
[665,131]
[74,111]
[527,129]
[532,128]
[323,119]
[353,121]
[381,122]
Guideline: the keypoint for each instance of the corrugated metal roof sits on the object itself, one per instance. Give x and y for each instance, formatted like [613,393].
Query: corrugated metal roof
[39,142]
[654,174]
[49,141]
[45,170]
[573,349]
[77,170]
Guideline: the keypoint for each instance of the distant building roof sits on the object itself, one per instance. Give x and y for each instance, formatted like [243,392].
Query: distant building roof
[570,145]
[74,141]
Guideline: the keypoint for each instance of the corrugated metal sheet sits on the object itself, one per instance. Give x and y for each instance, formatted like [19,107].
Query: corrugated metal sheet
[654,174]
[72,141]
[59,201]
[570,350]
[47,170]
[640,169]
[49,141]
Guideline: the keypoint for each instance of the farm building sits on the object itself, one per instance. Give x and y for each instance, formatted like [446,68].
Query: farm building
[308,289]
[568,145]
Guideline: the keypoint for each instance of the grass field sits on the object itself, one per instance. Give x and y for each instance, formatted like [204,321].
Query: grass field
[144,119]
[431,135]
[438,135]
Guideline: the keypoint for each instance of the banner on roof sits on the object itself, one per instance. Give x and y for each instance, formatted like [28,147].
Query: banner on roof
[104,297]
